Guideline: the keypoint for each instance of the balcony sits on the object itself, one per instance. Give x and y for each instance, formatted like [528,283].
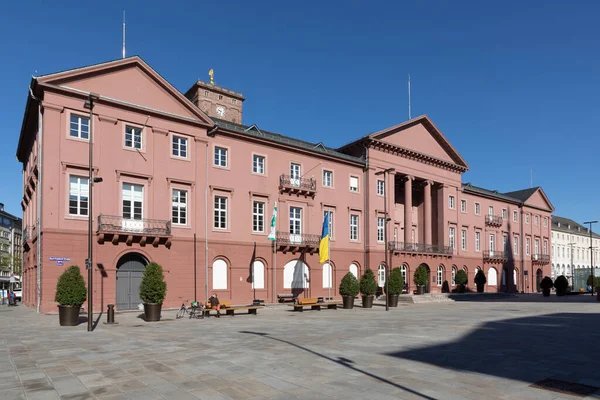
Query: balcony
[493,220]
[25,238]
[540,259]
[298,186]
[495,256]
[118,229]
[420,248]
[286,241]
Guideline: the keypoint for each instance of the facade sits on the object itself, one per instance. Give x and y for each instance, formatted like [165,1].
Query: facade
[187,185]
[10,246]
[571,251]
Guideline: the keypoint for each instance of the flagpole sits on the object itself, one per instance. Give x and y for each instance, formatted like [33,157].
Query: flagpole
[329,253]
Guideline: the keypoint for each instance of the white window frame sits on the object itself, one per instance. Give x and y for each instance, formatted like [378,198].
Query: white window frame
[79,127]
[220,211]
[331,216]
[477,241]
[258,164]
[354,227]
[354,189]
[295,171]
[536,246]
[492,244]
[221,156]
[527,246]
[327,178]
[179,146]
[463,239]
[452,237]
[179,207]
[440,275]
[515,216]
[380,187]
[463,206]
[545,247]
[129,194]
[82,188]
[380,229]
[477,208]
[295,220]
[504,214]
[536,220]
[135,133]
[258,216]
[491,210]
[527,218]
[381,275]
[545,222]
[453,277]
[451,202]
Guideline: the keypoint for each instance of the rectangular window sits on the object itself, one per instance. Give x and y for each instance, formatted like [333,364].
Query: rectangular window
[353,227]
[258,216]
[545,222]
[327,178]
[490,210]
[179,147]
[380,225]
[220,215]
[492,244]
[295,221]
[505,244]
[477,208]
[545,247]
[354,184]
[536,247]
[133,201]
[79,127]
[477,241]
[504,214]
[133,137]
[295,171]
[220,157]
[331,236]
[78,195]
[515,216]
[179,207]
[451,237]
[527,246]
[380,187]
[451,202]
[463,239]
[527,218]
[463,206]
[536,220]
[233,101]
[258,164]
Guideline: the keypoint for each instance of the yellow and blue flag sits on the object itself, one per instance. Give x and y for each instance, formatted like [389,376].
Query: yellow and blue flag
[324,244]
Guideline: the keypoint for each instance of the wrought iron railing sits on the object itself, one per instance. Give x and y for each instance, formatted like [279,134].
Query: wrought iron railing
[493,220]
[302,239]
[420,248]
[495,255]
[540,258]
[117,224]
[308,184]
[25,236]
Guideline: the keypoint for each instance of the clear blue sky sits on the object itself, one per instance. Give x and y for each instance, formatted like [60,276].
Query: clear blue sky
[513,85]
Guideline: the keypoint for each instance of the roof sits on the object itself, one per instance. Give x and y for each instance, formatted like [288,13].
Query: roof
[524,194]
[490,193]
[254,131]
[569,226]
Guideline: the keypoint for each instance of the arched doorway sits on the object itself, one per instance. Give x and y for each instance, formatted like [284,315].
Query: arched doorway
[538,279]
[130,268]
[296,276]
[428,284]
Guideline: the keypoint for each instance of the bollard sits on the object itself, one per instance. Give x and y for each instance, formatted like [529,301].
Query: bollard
[110,314]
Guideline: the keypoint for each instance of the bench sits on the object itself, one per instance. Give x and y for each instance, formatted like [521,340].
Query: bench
[314,304]
[230,310]
[282,298]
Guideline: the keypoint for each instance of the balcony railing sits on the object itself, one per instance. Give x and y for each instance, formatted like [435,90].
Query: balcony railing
[540,258]
[493,220]
[306,186]
[146,227]
[297,240]
[402,247]
[495,255]
[25,234]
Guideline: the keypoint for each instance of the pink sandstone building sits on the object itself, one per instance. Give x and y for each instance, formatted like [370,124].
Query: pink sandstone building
[187,185]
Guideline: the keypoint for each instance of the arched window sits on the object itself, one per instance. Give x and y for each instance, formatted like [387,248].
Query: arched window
[381,275]
[454,275]
[354,270]
[295,275]
[515,274]
[492,279]
[219,274]
[440,275]
[327,275]
[258,271]
[404,271]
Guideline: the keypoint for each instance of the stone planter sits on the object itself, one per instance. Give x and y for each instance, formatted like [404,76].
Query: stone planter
[68,315]
[152,312]
[393,300]
[420,289]
[348,302]
[367,301]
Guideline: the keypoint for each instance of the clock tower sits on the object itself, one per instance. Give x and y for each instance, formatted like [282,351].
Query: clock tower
[216,101]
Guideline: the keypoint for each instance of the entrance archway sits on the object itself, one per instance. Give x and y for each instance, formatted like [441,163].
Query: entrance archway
[296,276]
[428,284]
[130,269]
[538,280]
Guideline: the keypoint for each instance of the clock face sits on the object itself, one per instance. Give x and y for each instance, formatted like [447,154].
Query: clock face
[220,111]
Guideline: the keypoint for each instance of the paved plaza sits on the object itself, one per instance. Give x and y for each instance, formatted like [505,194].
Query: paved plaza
[494,349]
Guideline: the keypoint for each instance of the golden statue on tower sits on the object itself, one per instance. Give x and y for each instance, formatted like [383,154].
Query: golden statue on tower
[211,73]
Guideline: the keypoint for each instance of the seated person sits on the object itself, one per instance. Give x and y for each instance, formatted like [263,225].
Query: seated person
[214,304]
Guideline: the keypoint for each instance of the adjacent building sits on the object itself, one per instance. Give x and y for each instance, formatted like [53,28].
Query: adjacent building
[187,184]
[11,250]
[571,255]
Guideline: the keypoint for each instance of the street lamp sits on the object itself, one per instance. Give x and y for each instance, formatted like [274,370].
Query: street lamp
[89,104]
[572,267]
[591,253]
[385,234]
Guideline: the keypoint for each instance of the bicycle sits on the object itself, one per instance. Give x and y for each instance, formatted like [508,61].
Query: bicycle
[195,310]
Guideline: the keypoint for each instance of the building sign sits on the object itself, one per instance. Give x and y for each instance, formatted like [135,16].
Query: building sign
[60,261]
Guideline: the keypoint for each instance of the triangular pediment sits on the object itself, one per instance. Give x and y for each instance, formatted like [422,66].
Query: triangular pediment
[539,200]
[132,81]
[422,136]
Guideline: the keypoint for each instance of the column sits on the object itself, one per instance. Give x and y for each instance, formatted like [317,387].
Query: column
[427,212]
[408,209]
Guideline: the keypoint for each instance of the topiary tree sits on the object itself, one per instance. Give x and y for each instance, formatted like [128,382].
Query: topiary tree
[153,287]
[421,276]
[395,282]
[461,277]
[561,284]
[445,287]
[596,281]
[546,283]
[368,286]
[480,278]
[70,288]
[349,285]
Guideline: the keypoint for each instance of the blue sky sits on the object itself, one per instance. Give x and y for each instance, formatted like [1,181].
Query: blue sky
[512,85]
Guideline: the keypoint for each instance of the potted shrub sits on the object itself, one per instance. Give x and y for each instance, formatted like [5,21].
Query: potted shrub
[349,290]
[561,284]
[71,293]
[394,287]
[420,278]
[368,287]
[153,290]
[480,281]
[445,287]
[461,280]
[546,284]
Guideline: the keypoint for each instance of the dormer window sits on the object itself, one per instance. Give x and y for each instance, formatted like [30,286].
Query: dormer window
[558,224]
[206,93]
[220,97]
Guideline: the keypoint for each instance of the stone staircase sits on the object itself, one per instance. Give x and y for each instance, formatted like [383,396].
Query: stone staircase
[451,297]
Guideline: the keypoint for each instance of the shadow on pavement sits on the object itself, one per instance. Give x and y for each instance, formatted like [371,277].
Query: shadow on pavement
[523,298]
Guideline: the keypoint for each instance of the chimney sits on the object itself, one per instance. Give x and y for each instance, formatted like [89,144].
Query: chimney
[1,206]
